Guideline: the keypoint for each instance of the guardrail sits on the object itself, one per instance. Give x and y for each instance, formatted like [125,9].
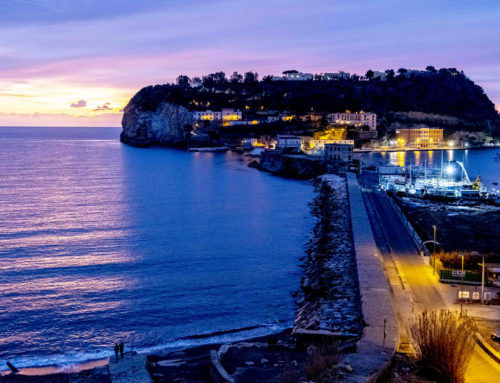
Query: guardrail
[417,241]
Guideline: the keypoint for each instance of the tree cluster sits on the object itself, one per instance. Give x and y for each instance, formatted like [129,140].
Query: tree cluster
[445,92]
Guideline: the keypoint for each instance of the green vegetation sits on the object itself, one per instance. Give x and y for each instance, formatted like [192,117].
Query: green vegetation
[443,92]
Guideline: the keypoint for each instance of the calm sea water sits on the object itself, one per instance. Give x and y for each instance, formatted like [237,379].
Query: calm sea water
[102,242]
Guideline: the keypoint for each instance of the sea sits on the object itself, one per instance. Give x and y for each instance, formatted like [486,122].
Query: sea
[158,248]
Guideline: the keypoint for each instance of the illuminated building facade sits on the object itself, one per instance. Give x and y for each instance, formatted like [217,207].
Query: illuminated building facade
[226,114]
[419,138]
[357,119]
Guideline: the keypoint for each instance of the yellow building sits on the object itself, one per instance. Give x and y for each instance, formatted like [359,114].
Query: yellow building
[419,138]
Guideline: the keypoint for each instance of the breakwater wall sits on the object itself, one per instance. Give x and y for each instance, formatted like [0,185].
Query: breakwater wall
[376,347]
[329,299]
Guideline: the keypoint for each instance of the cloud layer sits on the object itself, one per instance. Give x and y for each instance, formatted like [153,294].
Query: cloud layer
[118,46]
[79,104]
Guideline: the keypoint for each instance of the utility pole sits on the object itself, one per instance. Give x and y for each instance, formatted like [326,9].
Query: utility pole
[482,283]
[462,295]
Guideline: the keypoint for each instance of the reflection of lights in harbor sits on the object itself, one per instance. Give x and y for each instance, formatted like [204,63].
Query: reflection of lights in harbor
[401,159]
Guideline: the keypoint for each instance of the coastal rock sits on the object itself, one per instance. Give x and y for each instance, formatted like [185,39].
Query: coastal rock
[291,165]
[167,124]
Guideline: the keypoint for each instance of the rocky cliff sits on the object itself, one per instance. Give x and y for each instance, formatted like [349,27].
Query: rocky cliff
[291,165]
[164,124]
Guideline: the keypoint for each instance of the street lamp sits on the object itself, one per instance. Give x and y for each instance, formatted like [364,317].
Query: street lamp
[462,295]
[434,251]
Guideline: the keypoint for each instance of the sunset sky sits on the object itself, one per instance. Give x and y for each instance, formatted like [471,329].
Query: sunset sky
[77,62]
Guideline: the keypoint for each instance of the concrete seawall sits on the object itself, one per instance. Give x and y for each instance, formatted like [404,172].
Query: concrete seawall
[377,345]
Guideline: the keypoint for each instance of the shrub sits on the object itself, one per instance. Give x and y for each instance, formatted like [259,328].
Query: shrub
[320,358]
[443,341]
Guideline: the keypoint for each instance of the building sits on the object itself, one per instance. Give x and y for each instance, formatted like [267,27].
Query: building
[356,119]
[340,151]
[380,75]
[299,76]
[316,147]
[286,142]
[336,76]
[226,114]
[419,138]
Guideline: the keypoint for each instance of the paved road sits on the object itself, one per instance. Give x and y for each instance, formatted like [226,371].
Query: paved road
[422,287]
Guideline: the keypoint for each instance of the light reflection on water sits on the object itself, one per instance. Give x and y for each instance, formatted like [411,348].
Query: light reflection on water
[477,162]
[102,242]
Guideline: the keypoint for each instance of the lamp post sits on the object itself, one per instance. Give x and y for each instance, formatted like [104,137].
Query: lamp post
[462,295]
[434,250]
[482,282]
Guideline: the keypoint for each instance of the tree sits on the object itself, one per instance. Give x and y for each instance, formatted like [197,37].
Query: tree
[209,81]
[236,78]
[290,71]
[369,75]
[220,78]
[390,73]
[267,79]
[251,77]
[213,79]
[402,71]
[431,69]
[183,80]
[355,77]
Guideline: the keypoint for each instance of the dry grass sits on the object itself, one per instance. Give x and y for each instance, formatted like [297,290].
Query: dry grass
[444,341]
[320,358]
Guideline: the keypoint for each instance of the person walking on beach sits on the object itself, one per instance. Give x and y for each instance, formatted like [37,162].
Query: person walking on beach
[116,350]
[121,349]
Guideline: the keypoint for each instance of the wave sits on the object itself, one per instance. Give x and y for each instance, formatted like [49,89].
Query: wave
[74,362]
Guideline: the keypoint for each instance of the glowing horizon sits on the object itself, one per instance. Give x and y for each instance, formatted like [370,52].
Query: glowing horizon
[79,65]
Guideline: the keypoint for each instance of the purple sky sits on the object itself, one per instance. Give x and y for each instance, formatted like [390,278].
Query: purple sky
[69,62]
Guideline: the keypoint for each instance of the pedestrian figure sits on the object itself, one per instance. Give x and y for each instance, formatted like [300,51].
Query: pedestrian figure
[116,350]
[121,349]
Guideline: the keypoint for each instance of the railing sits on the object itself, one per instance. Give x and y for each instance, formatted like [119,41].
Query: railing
[409,227]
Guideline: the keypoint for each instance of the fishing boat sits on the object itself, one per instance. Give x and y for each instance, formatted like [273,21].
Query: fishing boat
[449,182]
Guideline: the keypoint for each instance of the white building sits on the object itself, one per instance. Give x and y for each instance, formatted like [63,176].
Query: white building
[340,151]
[357,119]
[336,76]
[288,142]
[298,76]
[226,114]
[379,75]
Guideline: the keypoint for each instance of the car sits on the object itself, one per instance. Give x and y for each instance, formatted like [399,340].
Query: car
[495,336]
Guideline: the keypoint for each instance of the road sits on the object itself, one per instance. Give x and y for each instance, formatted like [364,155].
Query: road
[415,278]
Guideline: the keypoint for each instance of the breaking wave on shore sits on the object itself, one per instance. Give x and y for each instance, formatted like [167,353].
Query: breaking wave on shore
[74,362]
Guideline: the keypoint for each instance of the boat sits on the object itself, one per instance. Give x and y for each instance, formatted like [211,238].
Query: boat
[450,182]
[209,149]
